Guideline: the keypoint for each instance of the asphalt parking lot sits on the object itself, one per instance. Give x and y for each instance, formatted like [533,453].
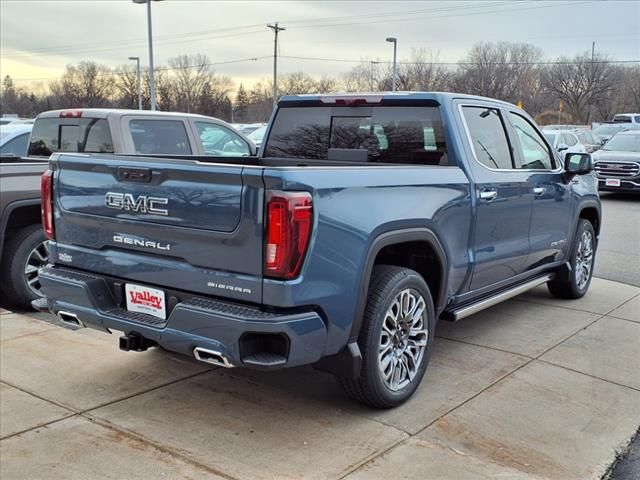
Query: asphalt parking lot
[532,388]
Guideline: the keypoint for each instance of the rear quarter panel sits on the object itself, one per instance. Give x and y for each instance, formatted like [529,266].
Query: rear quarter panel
[353,207]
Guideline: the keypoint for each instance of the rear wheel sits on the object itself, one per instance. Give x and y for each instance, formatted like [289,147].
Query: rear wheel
[24,254]
[574,284]
[396,338]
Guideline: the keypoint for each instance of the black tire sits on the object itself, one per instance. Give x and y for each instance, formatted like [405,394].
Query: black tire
[566,283]
[387,282]
[14,258]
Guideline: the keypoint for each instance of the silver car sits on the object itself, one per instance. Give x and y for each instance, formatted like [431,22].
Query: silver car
[617,163]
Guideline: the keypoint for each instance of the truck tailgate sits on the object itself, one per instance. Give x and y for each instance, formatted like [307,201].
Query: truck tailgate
[138,219]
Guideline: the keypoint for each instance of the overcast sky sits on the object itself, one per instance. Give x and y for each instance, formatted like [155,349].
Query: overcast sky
[38,38]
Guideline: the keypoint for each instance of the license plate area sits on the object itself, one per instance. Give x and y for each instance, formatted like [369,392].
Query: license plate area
[147,300]
[612,182]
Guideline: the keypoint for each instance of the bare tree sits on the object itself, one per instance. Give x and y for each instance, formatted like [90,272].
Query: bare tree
[190,76]
[84,85]
[580,83]
[503,70]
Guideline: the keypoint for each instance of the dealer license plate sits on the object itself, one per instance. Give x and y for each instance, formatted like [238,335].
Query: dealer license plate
[145,300]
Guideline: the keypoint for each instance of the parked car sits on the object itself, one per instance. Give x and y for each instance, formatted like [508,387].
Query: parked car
[257,135]
[565,141]
[87,130]
[14,139]
[23,247]
[247,128]
[617,164]
[589,140]
[330,248]
[607,130]
[633,118]
[13,120]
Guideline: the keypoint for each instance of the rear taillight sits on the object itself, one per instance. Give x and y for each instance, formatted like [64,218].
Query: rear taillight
[289,217]
[46,204]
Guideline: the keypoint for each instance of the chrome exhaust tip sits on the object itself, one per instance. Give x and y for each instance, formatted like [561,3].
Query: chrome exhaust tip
[70,320]
[212,357]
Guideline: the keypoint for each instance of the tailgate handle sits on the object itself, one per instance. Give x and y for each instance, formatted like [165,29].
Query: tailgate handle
[138,175]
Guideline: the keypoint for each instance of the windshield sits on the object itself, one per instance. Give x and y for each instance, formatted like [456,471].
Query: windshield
[628,142]
[551,137]
[258,134]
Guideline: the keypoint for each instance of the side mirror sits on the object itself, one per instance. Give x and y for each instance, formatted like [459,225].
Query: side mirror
[562,147]
[578,163]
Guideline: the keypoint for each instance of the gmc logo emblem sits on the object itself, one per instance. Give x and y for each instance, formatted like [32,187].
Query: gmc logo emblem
[142,204]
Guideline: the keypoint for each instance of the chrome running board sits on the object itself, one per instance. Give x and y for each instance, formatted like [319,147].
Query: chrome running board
[468,310]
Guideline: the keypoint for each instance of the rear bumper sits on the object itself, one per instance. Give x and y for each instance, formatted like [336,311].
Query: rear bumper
[195,322]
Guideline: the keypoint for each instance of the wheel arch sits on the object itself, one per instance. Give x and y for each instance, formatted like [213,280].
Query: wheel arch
[16,216]
[397,247]
[592,214]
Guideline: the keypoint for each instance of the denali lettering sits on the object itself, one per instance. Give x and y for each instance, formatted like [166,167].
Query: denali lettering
[142,204]
[141,242]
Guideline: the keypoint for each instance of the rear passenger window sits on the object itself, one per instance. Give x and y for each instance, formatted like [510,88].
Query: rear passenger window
[534,150]
[167,137]
[488,137]
[88,135]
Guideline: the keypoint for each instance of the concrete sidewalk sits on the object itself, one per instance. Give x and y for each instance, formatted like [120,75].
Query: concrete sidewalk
[532,388]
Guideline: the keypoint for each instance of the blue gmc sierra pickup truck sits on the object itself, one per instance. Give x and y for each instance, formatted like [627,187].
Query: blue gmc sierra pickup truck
[363,220]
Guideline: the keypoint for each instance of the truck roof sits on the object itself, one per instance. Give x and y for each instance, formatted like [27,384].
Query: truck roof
[377,97]
[109,112]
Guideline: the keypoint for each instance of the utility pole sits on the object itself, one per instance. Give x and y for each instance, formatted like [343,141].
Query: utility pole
[276,29]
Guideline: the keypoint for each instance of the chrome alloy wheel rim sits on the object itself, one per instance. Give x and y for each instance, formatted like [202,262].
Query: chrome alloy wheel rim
[38,257]
[584,259]
[403,339]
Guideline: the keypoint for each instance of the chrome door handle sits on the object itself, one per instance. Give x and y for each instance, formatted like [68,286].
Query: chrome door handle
[538,190]
[488,194]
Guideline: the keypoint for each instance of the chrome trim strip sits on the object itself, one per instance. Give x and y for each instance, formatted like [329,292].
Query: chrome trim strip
[500,297]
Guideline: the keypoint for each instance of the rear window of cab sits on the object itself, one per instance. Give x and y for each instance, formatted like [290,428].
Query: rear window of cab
[376,134]
[88,135]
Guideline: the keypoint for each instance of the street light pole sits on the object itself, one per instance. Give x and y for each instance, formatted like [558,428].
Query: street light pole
[394,74]
[137,60]
[152,83]
[276,29]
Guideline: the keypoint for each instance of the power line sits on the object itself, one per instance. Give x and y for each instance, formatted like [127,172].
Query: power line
[162,69]
[479,12]
[470,9]
[120,46]
[346,60]
[128,42]
[276,29]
